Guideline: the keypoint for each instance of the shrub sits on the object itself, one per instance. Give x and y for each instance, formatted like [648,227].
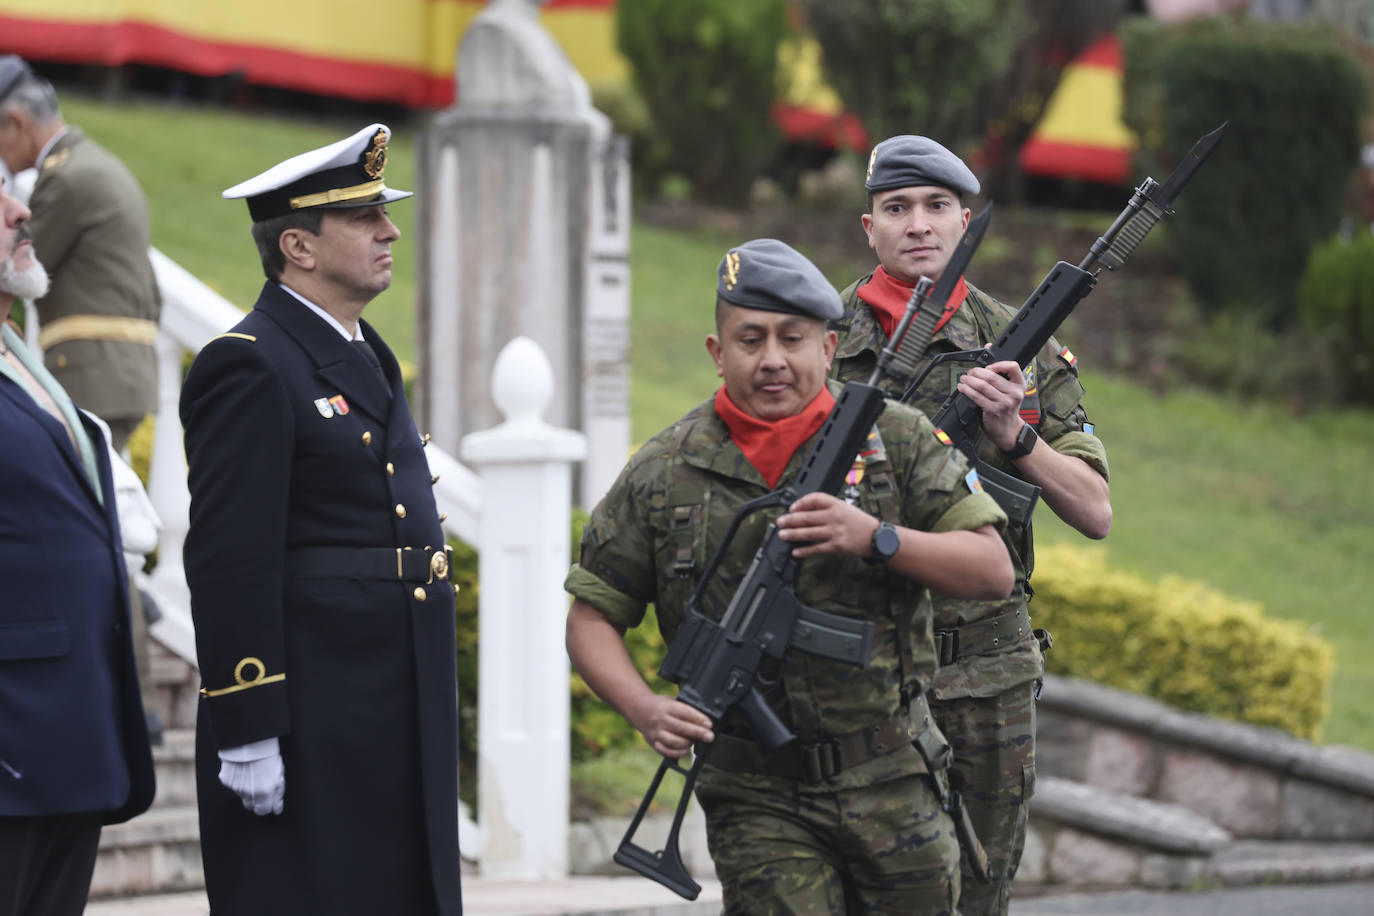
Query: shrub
[1275,187]
[1337,300]
[1180,642]
[918,68]
[707,73]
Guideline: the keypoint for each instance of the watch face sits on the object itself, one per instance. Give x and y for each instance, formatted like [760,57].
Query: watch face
[886,541]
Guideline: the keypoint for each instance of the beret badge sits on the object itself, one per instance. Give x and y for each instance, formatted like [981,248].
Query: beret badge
[731,275]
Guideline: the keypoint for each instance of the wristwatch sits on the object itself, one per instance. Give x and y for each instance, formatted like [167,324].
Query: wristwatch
[886,540]
[1025,441]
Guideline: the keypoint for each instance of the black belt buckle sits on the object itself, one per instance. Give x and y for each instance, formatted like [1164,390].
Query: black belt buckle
[436,563]
[820,761]
[947,646]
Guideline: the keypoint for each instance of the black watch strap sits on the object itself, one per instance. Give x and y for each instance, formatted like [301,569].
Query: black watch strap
[1025,441]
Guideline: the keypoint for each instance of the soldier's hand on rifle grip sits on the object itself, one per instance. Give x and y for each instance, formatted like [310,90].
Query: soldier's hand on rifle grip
[670,726]
[821,523]
[998,390]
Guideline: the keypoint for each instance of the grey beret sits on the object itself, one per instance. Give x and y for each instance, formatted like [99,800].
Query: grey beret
[13,70]
[770,275]
[906,161]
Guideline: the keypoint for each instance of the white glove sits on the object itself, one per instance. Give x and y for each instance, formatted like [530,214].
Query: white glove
[255,773]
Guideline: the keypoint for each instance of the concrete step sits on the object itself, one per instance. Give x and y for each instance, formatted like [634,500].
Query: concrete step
[156,852]
[176,686]
[1086,837]
[175,763]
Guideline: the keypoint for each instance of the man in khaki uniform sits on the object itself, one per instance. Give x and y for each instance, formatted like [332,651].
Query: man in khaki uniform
[90,220]
[845,820]
[99,320]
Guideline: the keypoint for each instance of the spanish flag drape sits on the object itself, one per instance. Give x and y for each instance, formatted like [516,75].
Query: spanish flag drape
[397,51]
[1081,134]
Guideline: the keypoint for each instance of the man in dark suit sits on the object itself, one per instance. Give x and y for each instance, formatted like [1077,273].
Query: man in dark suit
[99,319]
[74,751]
[327,732]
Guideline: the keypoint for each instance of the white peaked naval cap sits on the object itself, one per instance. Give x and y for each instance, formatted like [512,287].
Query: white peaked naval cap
[343,174]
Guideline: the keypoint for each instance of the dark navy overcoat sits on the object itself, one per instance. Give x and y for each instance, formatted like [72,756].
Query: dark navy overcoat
[293,443]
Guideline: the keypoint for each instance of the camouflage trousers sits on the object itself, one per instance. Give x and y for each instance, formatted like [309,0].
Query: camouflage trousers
[994,761]
[885,848]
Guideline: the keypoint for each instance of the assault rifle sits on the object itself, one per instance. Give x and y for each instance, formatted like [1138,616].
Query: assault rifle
[1042,314]
[717,664]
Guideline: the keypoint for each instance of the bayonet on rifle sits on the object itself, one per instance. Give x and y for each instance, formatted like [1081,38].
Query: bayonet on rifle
[1044,311]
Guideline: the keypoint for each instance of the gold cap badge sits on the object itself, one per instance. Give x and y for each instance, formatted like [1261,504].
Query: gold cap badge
[731,275]
[374,160]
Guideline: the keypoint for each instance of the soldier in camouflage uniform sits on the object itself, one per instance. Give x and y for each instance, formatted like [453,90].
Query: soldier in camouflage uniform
[845,819]
[1034,427]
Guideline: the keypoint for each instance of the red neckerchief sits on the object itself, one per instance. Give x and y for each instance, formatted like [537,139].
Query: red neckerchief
[889,297]
[769,444]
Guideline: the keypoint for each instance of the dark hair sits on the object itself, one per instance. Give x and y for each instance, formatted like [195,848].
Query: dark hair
[267,235]
[723,310]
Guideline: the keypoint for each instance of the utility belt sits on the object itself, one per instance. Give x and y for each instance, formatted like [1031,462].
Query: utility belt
[397,564]
[981,636]
[820,760]
[97,327]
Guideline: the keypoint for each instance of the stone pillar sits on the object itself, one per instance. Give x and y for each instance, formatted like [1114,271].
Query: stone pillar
[523,703]
[523,217]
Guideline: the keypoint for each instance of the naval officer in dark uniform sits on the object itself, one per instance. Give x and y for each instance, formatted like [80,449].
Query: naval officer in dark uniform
[327,732]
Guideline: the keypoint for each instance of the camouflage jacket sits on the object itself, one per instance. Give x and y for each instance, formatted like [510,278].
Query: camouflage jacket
[651,536]
[1053,405]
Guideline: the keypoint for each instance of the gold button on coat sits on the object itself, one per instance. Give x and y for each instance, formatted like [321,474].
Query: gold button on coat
[367,438]
[390,469]
[419,593]
[400,511]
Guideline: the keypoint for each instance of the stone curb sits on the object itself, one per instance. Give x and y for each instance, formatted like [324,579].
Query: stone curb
[1157,825]
[1252,863]
[1340,767]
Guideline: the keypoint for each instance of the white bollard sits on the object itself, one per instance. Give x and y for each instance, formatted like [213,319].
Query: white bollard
[522,742]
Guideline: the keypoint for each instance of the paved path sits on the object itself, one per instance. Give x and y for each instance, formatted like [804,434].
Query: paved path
[631,896]
[637,897]
[1344,899]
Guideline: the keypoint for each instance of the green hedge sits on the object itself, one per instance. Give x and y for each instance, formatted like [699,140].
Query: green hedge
[1276,186]
[1180,642]
[1337,299]
[706,73]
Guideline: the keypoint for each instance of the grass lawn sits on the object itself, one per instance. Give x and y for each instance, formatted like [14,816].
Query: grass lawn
[1243,498]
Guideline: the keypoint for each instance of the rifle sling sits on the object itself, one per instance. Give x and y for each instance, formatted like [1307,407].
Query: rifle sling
[817,761]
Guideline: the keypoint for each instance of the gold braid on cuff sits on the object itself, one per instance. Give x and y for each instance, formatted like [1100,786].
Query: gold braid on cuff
[243,683]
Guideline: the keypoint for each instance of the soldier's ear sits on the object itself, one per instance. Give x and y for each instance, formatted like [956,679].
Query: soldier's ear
[298,247]
[713,347]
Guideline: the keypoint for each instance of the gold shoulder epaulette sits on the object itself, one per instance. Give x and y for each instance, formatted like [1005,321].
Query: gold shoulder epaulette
[248,337]
[56,160]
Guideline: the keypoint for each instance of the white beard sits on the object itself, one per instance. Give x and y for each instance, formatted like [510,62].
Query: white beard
[30,283]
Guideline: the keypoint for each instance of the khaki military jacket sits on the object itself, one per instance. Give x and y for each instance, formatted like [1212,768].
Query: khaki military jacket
[652,535]
[90,230]
[1053,405]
